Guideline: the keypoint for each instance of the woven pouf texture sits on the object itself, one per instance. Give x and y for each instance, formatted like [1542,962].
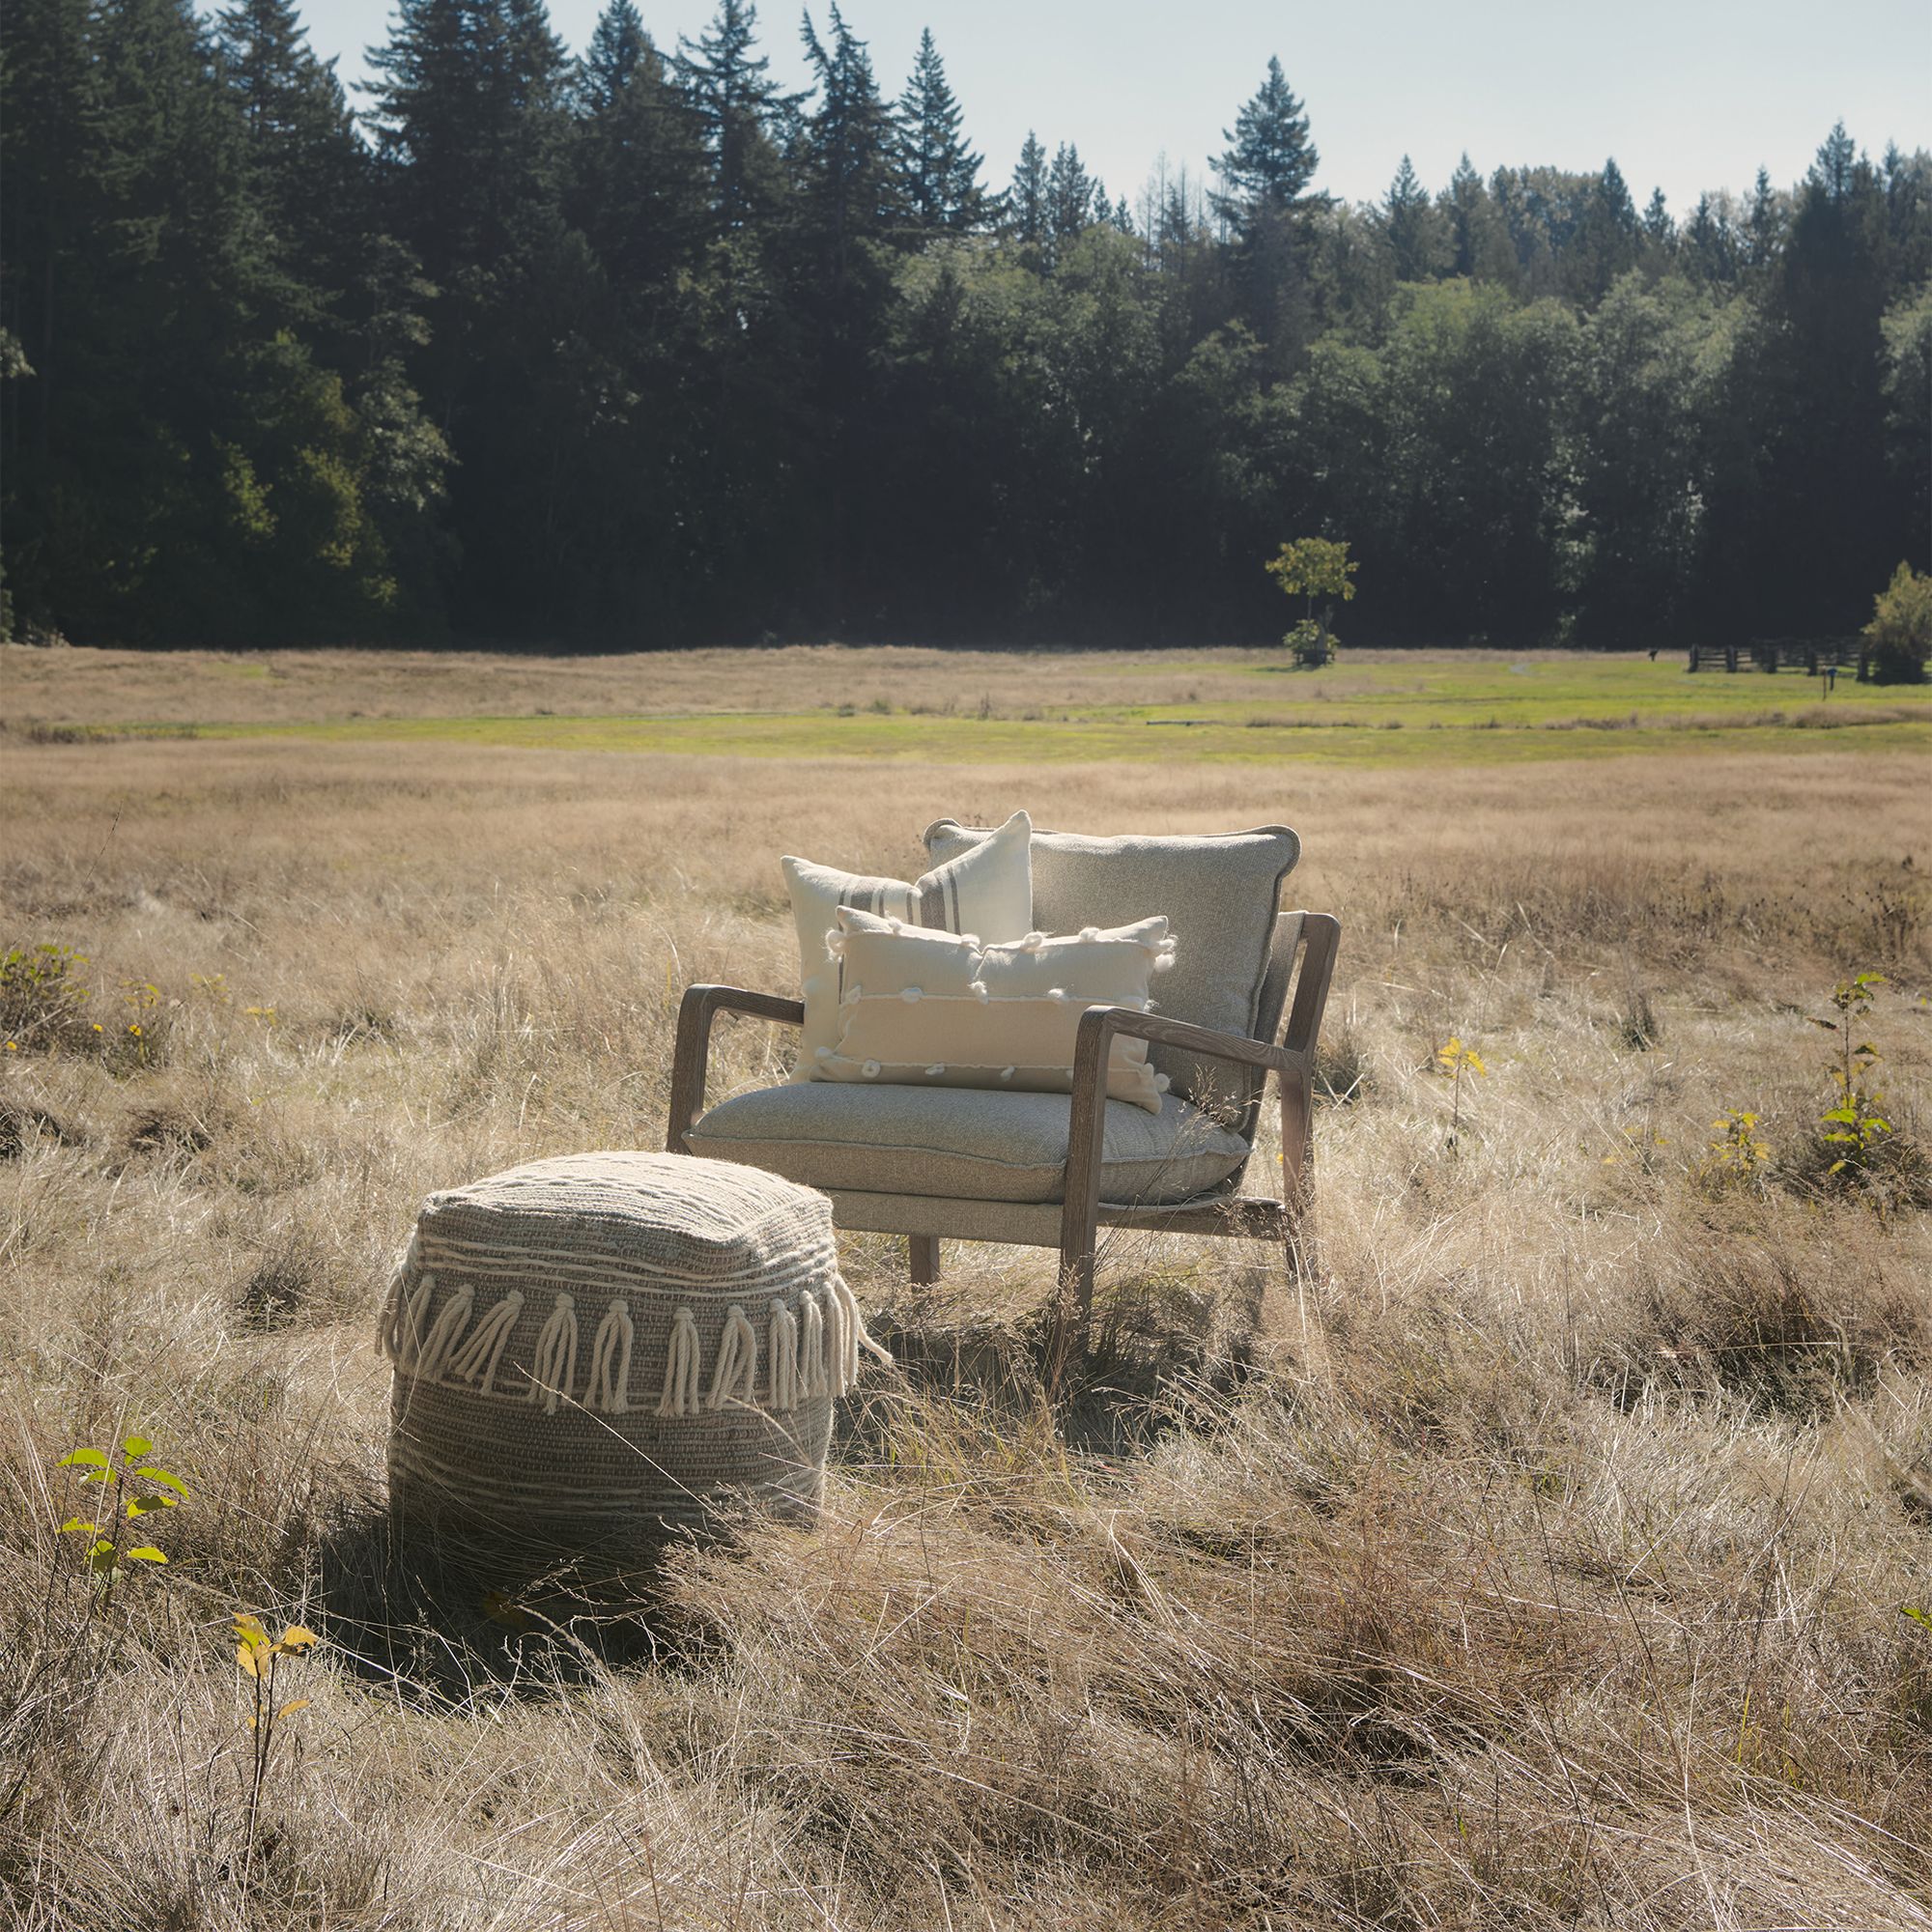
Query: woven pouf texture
[592,1353]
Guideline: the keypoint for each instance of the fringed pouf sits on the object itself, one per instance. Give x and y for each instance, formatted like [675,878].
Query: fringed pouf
[592,1353]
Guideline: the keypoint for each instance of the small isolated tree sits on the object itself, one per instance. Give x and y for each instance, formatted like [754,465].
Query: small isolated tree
[1900,632]
[1313,567]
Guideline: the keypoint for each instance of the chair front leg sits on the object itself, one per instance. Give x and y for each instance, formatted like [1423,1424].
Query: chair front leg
[1080,1210]
[1297,1105]
[924,1254]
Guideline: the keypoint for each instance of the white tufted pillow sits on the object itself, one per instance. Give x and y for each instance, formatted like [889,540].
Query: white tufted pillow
[931,1009]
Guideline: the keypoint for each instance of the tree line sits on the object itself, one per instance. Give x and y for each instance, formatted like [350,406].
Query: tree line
[640,349]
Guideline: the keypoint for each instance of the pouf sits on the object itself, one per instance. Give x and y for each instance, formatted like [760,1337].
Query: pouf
[592,1353]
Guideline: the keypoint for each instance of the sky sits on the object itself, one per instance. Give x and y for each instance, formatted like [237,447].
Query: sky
[1686,97]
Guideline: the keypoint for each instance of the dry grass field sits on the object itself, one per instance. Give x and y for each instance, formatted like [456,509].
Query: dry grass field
[1545,1561]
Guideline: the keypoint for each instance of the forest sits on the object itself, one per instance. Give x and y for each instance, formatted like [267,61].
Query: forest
[638,349]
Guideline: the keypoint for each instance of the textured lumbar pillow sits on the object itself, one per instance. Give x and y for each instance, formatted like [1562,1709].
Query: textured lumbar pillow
[987,889]
[943,1010]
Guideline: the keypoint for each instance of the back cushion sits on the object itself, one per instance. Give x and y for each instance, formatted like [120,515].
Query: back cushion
[1218,891]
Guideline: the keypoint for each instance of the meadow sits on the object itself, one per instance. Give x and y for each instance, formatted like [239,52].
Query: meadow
[1558,1554]
[966,707]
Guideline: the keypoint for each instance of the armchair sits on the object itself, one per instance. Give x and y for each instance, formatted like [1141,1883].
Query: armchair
[1044,1170]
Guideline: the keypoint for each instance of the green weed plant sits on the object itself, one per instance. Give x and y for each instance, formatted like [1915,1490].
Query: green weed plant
[133,1488]
[1854,1128]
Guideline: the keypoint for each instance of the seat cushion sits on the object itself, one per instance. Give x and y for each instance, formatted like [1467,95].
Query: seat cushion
[963,1143]
[1218,891]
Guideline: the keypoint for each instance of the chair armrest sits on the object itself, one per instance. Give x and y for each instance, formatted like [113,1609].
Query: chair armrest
[1087,1127]
[690,1062]
[1098,1024]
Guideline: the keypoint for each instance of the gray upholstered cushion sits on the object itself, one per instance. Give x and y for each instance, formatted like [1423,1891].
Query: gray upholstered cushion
[963,1142]
[1218,891]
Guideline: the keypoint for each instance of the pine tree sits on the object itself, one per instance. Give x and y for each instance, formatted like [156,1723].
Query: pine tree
[939,173]
[1608,239]
[1709,245]
[1025,199]
[616,59]
[738,107]
[310,169]
[1264,200]
[1069,195]
[1658,229]
[1267,169]
[848,185]
[1832,171]
[1478,242]
[637,176]
[1764,224]
[1410,222]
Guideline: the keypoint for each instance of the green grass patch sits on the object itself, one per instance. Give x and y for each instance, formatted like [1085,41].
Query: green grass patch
[1168,736]
[1427,708]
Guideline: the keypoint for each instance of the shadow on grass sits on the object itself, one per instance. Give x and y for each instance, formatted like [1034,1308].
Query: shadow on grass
[454,1618]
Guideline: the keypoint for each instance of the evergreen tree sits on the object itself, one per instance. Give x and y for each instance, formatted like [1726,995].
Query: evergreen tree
[1710,244]
[939,173]
[738,107]
[475,142]
[468,123]
[1764,225]
[310,170]
[638,178]
[1658,230]
[1832,171]
[1027,199]
[1412,227]
[1069,195]
[1826,489]
[1269,163]
[846,152]
[1608,239]
[616,59]
[1264,200]
[1908,216]
[1478,241]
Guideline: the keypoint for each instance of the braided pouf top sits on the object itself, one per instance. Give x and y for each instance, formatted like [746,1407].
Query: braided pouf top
[623,1282]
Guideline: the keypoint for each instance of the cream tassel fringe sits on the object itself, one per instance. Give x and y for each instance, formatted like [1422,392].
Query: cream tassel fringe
[813,1350]
[852,1337]
[482,1351]
[412,1325]
[683,1362]
[388,1329]
[835,1340]
[610,1361]
[389,1323]
[445,1332]
[737,1360]
[555,1366]
[785,1379]
[811,1345]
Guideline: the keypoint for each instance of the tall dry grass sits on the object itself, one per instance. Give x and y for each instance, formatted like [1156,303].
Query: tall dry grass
[1540,1563]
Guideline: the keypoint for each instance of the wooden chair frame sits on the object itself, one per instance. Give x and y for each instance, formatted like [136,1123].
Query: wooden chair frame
[1073,1223]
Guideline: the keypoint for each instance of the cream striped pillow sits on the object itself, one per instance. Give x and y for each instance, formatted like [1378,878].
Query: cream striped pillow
[987,889]
[932,1009]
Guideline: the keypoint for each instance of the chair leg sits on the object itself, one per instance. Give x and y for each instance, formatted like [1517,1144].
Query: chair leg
[1073,1312]
[924,1254]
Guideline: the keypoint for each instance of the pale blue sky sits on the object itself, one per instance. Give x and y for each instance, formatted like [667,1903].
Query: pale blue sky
[1687,96]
